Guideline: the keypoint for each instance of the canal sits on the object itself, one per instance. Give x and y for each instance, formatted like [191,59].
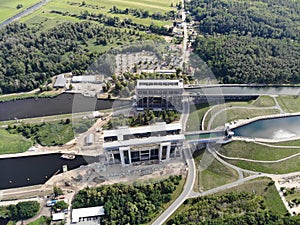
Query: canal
[34,170]
[276,128]
[62,104]
[279,90]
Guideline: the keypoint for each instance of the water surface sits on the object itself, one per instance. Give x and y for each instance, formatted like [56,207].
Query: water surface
[276,128]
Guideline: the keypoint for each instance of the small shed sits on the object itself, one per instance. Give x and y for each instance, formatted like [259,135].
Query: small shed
[60,82]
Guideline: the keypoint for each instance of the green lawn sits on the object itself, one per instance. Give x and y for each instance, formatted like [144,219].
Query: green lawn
[264,101]
[289,103]
[43,220]
[48,19]
[242,113]
[293,196]
[260,187]
[286,166]
[13,143]
[8,8]
[55,133]
[241,149]
[215,175]
[196,115]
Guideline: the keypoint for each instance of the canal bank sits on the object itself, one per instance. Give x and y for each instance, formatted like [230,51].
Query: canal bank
[35,170]
[65,103]
[271,128]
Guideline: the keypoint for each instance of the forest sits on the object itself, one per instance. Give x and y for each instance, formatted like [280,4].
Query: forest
[231,208]
[245,59]
[29,58]
[249,41]
[128,204]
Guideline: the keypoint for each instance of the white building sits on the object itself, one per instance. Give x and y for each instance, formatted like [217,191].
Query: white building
[93,79]
[155,142]
[159,94]
[90,212]
[58,216]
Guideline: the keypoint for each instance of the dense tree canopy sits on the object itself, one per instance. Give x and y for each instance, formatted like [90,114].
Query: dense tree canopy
[244,59]
[128,204]
[28,58]
[263,18]
[249,41]
[229,209]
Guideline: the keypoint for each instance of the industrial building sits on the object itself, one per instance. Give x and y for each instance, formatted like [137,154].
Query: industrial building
[154,142]
[93,79]
[83,214]
[159,94]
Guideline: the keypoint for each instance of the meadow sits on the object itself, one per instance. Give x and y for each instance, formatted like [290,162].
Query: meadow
[45,16]
[9,8]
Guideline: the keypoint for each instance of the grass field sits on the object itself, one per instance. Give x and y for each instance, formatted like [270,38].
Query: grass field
[215,175]
[8,8]
[264,101]
[289,104]
[196,115]
[43,220]
[13,143]
[260,187]
[47,19]
[286,166]
[240,113]
[241,149]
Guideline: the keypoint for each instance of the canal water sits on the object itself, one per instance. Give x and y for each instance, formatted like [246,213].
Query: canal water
[276,128]
[248,90]
[61,104]
[34,170]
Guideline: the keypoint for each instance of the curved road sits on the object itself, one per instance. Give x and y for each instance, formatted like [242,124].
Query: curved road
[190,180]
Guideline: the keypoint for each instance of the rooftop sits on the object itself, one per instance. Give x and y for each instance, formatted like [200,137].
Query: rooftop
[159,84]
[60,81]
[143,141]
[143,129]
[58,216]
[86,212]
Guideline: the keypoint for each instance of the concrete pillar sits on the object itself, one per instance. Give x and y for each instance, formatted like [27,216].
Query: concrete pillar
[122,157]
[168,145]
[121,150]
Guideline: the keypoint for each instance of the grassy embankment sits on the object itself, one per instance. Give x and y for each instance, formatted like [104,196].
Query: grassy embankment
[9,8]
[260,187]
[241,149]
[196,115]
[290,104]
[227,114]
[18,138]
[13,143]
[10,97]
[215,175]
[47,19]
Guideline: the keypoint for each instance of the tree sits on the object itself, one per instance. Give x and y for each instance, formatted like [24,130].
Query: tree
[57,191]
[19,6]
[60,206]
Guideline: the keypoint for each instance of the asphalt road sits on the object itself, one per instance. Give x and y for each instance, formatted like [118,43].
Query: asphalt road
[25,12]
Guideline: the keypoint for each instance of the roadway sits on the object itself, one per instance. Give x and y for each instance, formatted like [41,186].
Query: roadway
[191,176]
[25,12]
